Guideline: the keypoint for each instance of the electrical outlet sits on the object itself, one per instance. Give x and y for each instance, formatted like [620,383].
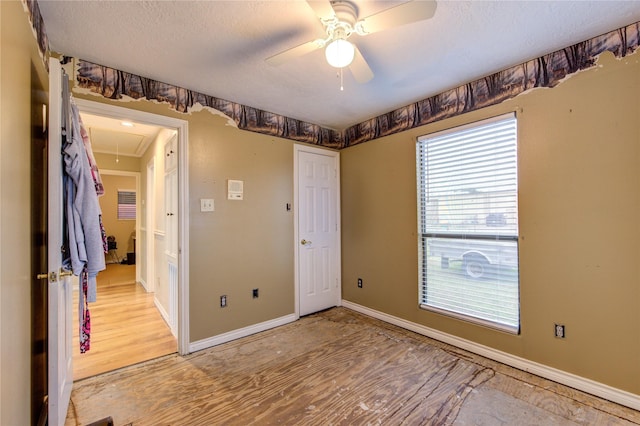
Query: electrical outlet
[559,331]
[255,293]
[359,282]
[223,301]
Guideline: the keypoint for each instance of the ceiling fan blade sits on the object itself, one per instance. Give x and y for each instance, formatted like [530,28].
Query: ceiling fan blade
[322,8]
[405,13]
[360,68]
[294,52]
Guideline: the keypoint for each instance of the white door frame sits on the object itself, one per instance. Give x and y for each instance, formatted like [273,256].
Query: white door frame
[150,217]
[182,126]
[296,212]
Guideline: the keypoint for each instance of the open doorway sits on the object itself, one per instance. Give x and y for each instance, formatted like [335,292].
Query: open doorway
[131,319]
[120,215]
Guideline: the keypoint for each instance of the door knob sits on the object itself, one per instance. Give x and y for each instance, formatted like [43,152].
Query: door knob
[305,242]
[64,273]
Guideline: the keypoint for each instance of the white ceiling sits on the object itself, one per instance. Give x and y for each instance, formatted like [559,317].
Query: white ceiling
[219,48]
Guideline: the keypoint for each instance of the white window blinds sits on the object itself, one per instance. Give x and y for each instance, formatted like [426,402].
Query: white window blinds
[126,205]
[468,222]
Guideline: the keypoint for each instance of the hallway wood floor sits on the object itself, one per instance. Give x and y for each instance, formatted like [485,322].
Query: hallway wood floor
[336,367]
[126,327]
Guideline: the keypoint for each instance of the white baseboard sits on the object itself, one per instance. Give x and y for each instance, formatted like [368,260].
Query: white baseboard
[577,382]
[242,332]
[144,284]
[163,313]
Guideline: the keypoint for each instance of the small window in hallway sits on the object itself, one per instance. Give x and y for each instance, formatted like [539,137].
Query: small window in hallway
[126,205]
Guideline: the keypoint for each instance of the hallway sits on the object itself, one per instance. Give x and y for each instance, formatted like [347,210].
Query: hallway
[126,327]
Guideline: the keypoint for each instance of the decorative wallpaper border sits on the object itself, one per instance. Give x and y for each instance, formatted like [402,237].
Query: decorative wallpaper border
[37,23]
[545,71]
[114,84]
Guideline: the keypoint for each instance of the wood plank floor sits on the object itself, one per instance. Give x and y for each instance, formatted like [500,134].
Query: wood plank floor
[336,367]
[126,327]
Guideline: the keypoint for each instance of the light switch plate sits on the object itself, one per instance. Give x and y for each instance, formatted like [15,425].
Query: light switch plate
[206,205]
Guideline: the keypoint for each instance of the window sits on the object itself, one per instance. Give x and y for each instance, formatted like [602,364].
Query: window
[468,222]
[126,205]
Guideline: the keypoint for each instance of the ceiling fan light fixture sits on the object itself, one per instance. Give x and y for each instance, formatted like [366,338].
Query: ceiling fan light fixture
[339,53]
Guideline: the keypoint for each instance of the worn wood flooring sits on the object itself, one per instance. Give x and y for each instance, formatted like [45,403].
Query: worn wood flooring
[126,327]
[336,367]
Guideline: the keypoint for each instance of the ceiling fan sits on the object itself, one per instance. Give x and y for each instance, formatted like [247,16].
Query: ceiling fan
[340,20]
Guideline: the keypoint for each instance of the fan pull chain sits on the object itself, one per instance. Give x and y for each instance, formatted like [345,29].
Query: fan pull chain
[339,74]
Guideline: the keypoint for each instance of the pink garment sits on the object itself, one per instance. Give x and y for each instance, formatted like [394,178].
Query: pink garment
[92,160]
[84,315]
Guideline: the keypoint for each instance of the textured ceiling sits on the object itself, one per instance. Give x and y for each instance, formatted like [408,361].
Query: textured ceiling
[219,48]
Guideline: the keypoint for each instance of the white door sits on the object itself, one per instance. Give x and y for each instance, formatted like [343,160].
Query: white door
[60,290]
[317,236]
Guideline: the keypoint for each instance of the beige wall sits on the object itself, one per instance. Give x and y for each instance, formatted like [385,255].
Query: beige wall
[242,244]
[579,150]
[18,57]
[123,230]
[124,163]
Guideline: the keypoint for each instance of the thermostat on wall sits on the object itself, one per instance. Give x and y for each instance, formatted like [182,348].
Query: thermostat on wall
[234,189]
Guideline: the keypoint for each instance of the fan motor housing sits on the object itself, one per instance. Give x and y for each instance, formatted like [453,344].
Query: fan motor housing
[345,12]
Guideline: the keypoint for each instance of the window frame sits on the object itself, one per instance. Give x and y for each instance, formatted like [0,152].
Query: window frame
[424,234]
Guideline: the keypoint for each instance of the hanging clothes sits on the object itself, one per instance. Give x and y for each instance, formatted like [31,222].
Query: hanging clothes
[84,237]
[84,314]
[86,244]
[95,172]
